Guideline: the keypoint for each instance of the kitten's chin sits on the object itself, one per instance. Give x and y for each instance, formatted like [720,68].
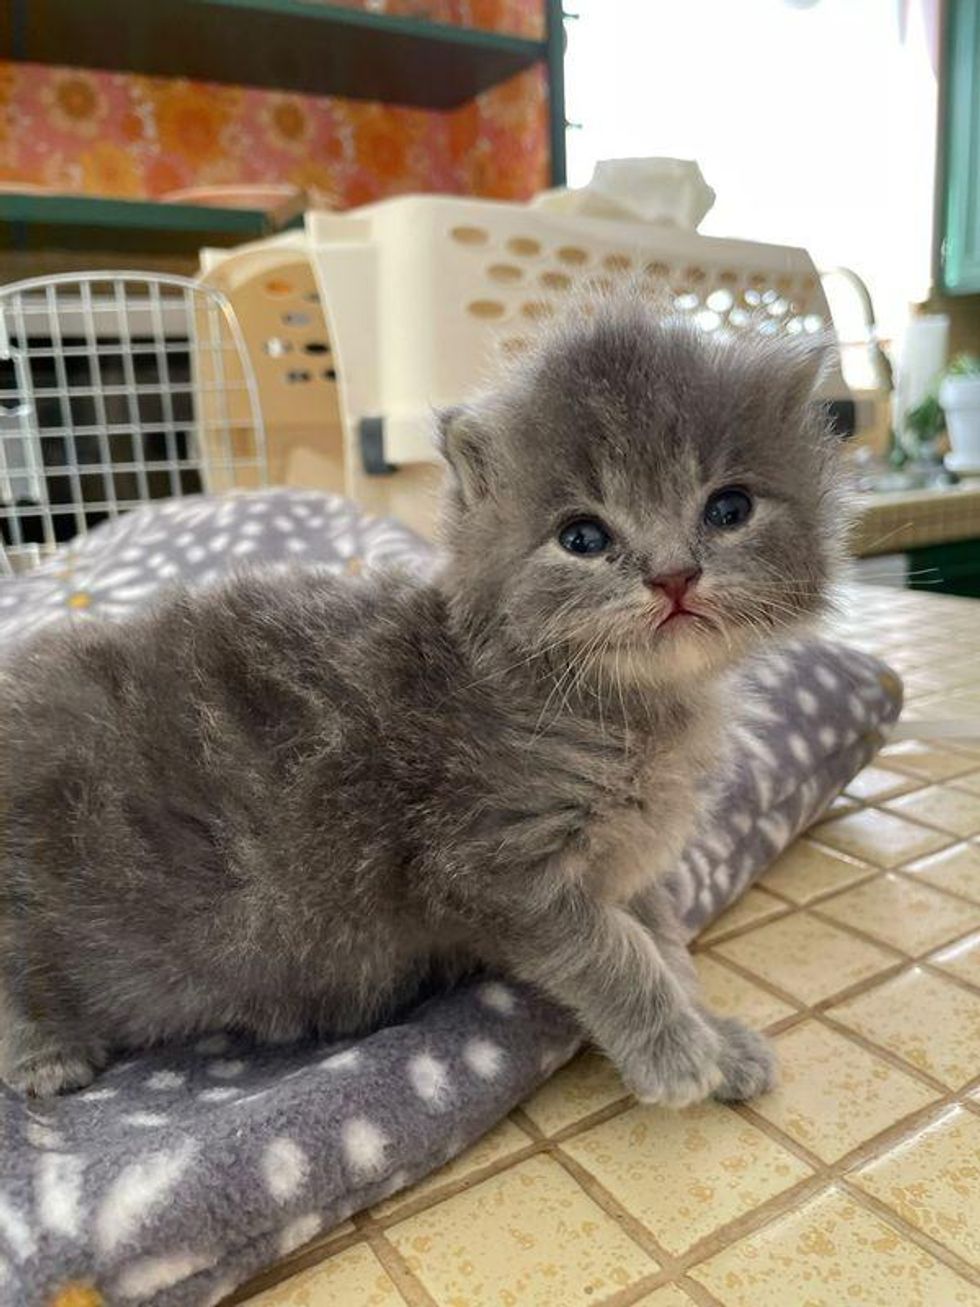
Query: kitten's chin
[670,662]
[681,650]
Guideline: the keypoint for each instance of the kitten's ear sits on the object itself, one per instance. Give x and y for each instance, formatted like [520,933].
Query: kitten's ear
[808,359]
[463,444]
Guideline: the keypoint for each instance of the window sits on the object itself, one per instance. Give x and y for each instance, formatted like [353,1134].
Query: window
[813,120]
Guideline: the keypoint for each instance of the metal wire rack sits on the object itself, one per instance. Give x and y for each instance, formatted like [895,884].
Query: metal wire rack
[116,389]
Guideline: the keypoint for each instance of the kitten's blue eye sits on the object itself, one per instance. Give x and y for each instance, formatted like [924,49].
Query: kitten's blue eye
[584,536]
[728,508]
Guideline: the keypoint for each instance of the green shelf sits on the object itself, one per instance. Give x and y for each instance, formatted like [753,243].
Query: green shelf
[132,215]
[290,45]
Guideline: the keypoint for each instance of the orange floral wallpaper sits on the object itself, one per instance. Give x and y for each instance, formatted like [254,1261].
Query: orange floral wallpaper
[130,136]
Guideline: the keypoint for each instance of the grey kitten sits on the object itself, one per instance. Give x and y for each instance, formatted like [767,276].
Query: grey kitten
[285,803]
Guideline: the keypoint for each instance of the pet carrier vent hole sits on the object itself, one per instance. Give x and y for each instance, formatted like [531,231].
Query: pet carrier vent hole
[470,235]
[752,298]
[276,347]
[660,271]
[505,272]
[738,317]
[812,322]
[617,262]
[296,376]
[535,309]
[329,374]
[573,254]
[486,308]
[555,280]
[295,318]
[758,279]
[514,345]
[524,246]
[686,301]
[708,320]
[720,301]
[279,287]
[316,347]
[727,277]
[779,307]
[694,275]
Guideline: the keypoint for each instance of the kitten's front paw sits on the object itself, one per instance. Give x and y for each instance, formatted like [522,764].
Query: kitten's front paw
[747,1061]
[680,1065]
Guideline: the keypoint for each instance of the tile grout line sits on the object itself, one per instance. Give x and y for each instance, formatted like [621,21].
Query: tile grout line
[372,1232]
[838,995]
[945,1256]
[316,1253]
[412,1207]
[613,1208]
[905,955]
[862,1154]
[885,1054]
[397,1268]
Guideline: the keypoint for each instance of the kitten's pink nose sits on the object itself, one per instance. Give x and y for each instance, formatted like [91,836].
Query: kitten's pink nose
[675,585]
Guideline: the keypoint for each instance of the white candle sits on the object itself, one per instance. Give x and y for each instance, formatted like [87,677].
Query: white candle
[921,362]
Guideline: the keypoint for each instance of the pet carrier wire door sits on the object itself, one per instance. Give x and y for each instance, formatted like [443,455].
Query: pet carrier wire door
[116,389]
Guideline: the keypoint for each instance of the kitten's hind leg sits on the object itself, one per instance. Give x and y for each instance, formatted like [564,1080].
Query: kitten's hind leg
[35,1060]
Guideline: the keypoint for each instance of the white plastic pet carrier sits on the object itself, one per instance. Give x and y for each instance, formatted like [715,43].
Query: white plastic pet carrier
[359,324]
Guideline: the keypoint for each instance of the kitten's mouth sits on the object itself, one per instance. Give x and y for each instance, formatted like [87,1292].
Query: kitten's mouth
[679,617]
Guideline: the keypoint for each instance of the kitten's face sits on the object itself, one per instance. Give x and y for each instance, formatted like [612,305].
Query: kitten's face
[645,498]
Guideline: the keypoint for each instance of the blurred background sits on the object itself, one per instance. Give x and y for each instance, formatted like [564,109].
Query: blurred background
[156,136]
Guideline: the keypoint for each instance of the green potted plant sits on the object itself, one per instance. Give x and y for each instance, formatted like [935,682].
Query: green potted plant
[959,395]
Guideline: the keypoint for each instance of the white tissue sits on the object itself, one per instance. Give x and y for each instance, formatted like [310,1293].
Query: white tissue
[669,192]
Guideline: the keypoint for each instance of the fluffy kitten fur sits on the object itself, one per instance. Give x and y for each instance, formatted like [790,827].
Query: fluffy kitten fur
[284,803]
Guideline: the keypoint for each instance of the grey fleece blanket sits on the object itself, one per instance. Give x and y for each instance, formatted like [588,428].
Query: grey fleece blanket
[184,1170]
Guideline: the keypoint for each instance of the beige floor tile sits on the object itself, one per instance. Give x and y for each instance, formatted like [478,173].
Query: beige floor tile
[668,1296]
[502,1141]
[833,1095]
[903,913]
[876,783]
[961,959]
[731,995]
[839,807]
[755,905]
[588,1083]
[808,959]
[880,837]
[971,747]
[969,782]
[354,1276]
[685,1174]
[929,761]
[531,1237]
[829,1253]
[931,1022]
[805,871]
[940,805]
[956,869]
[933,1181]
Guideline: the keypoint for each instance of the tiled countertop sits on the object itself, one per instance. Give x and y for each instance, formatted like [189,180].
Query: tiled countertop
[857,1181]
[910,519]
